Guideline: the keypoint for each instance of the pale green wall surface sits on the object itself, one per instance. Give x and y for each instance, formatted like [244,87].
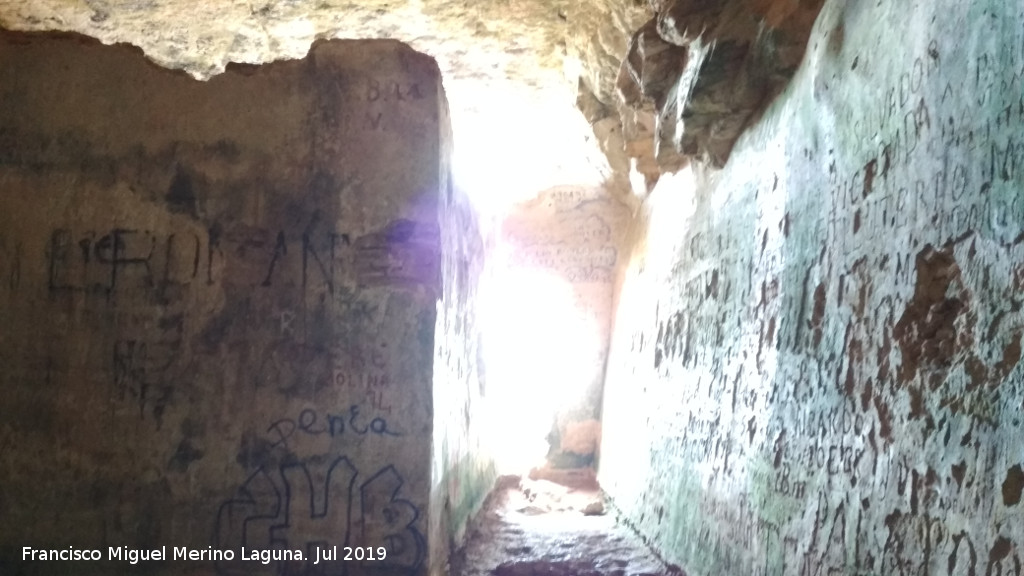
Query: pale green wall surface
[816,360]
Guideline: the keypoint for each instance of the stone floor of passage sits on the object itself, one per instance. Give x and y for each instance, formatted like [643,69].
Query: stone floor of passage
[540,527]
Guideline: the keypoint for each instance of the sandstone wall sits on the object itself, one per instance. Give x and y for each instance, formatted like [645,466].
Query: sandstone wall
[815,367]
[218,303]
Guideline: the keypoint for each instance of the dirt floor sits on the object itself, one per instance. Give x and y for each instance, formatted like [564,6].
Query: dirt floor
[552,527]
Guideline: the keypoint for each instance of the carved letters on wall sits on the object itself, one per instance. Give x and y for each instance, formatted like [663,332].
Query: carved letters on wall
[835,367]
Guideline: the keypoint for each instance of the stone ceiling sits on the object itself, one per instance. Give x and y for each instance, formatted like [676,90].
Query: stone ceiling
[485,41]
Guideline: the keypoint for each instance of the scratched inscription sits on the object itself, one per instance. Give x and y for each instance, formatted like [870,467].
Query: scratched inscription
[835,373]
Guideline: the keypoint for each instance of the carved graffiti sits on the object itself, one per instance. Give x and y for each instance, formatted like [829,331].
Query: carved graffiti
[859,328]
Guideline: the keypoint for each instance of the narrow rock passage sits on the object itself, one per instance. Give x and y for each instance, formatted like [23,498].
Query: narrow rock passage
[544,528]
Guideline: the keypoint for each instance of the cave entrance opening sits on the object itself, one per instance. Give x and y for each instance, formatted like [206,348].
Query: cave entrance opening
[539,347]
[536,182]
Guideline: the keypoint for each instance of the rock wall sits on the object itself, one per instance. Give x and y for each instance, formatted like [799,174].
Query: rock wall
[597,39]
[815,367]
[464,469]
[218,305]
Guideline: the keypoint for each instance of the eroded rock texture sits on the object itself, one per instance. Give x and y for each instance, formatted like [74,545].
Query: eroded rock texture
[708,66]
[530,528]
[816,366]
[218,303]
[486,41]
[598,38]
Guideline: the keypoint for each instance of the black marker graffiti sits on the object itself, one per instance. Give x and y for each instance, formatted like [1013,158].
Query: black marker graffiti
[307,506]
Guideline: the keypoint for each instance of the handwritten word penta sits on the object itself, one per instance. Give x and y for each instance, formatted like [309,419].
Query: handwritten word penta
[310,423]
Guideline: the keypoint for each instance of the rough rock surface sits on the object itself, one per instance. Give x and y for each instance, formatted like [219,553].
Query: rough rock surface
[816,366]
[707,67]
[597,41]
[483,40]
[542,528]
[218,304]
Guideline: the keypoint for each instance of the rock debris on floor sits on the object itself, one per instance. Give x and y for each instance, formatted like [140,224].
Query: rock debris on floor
[540,527]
